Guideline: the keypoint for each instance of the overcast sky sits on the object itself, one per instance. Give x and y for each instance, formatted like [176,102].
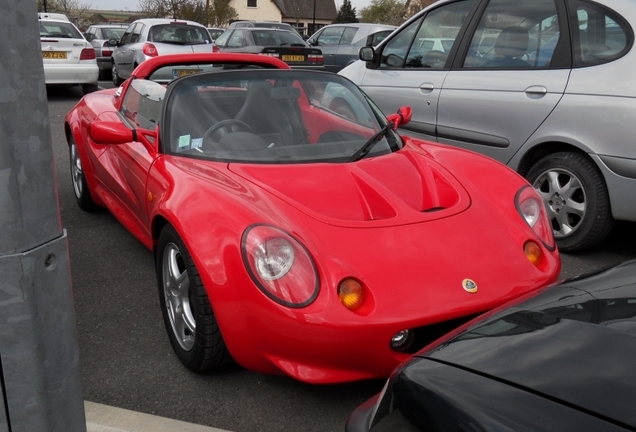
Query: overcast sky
[134,5]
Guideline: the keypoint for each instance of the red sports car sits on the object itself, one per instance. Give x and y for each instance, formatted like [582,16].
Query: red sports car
[294,230]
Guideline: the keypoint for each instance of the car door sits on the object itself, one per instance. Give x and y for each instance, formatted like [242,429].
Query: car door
[346,51]
[328,41]
[121,54]
[125,167]
[409,72]
[127,53]
[515,71]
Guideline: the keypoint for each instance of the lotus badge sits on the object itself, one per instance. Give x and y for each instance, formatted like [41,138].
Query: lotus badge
[469,286]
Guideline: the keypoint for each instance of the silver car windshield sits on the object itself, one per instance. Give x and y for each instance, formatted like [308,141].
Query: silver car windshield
[179,34]
[272,116]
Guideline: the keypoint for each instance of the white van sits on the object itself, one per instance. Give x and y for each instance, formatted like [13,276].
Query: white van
[54,16]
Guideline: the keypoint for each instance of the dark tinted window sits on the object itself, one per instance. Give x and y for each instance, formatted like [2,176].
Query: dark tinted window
[179,34]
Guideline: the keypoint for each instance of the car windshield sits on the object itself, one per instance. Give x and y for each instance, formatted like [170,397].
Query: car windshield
[179,34]
[277,38]
[272,116]
[59,30]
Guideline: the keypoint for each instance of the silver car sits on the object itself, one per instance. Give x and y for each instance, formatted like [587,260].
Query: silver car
[340,43]
[544,86]
[146,38]
[103,37]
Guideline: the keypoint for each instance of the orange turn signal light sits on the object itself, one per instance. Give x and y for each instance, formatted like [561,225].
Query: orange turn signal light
[533,252]
[351,294]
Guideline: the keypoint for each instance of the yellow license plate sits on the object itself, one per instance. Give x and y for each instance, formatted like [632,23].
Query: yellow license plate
[183,72]
[293,58]
[54,54]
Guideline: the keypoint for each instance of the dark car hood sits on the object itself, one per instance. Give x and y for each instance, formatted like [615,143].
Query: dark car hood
[401,188]
[575,342]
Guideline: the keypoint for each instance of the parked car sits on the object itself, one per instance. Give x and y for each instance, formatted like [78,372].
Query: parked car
[150,37]
[104,38]
[215,32]
[283,233]
[542,86]
[68,58]
[562,360]
[340,43]
[282,44]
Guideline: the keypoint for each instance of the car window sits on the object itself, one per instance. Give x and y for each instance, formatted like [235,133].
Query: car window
[142,103]
[348,35]
[378,37]
[410,49]
[509,36]
[59,30]
[330,36]
[237,39]
[277,38]
[602,35]
[179,34]
[136,32]
[222,40]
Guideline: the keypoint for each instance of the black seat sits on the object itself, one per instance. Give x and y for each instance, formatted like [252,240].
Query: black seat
[273,113]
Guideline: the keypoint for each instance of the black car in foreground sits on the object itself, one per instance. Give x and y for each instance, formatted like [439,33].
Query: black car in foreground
[562,360]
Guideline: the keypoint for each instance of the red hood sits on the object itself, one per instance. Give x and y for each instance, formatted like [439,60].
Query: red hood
[397,189]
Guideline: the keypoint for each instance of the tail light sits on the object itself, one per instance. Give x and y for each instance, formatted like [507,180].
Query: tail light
[215,48]
[531,207]
[280,266]
[106,51]
[87,54]
[315,58]
[150,50]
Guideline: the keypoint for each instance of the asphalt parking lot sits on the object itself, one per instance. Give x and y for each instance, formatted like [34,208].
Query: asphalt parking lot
[126,360]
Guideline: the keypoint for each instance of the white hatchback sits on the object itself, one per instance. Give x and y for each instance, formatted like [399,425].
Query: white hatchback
[69,59]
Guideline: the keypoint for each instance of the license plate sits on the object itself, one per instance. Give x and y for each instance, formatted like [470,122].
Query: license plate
[183,72]
[293,58]
[54,54]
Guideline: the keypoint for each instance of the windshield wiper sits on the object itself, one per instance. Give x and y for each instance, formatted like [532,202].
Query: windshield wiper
[366,148]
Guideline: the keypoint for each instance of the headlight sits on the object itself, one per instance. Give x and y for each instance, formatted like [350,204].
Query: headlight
[531,207]
[280,266]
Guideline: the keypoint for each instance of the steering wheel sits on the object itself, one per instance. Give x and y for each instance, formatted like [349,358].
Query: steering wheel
[213,135]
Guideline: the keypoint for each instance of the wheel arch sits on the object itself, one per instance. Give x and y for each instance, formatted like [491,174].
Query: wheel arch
[539,151]
[158,223]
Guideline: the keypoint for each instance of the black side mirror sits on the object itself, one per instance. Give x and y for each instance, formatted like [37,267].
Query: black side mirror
[366,53]
[114,42]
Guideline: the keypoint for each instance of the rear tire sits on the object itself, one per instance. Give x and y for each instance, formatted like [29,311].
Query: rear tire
[576,199]
[188,316]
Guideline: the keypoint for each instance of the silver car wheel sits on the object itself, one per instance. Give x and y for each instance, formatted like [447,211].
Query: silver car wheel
[565,200]
[176,289]
[77,174]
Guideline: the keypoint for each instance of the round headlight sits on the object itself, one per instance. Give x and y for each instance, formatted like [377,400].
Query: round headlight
[280,266]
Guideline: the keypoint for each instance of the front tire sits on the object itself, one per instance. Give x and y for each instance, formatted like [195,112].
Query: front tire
[80,187]
[190,322]
[117,81]
[89,88]
[576,198]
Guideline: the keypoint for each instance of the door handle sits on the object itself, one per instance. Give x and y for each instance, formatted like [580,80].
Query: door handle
[427,87]
[536,90]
